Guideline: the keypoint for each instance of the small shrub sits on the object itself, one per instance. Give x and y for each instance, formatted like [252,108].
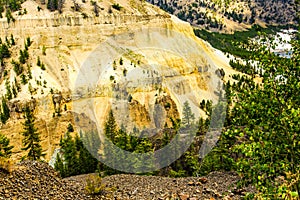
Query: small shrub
[38,63]
[124,72]
[117,6]
[44,50]
[43,66]
[94,185]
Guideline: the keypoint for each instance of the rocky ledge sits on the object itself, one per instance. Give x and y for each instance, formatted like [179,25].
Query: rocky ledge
[36,180]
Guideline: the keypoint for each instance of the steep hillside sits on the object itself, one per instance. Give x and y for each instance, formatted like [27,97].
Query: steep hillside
[228,16]
[131,59]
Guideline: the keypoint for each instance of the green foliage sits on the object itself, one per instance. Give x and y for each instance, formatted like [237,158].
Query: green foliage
[5,148]
[117,6]
[4,51]
[18,68]
[8,90]
[23,56]
[43,66]
[76,159]
[44,50]
[188,115]
[70,160]
[237,44]
[111,127]
[38,63]
[14,5]
[29,74]
[70,128]
[187,165]
[24,80]
[261,138]
[124,72]
[9,16]
[28,42]
[31,138]
[206,106]
[59,166]
[94,186]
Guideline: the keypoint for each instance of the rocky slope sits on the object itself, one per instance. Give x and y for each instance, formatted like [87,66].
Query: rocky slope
[35,180]
[228,16]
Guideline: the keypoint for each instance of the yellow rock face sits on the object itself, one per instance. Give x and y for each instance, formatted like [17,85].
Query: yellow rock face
[163,64]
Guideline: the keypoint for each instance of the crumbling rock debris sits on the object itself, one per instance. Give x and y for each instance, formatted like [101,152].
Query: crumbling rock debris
[37,180]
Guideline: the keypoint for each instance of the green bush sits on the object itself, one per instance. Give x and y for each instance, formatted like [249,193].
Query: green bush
[94,185]
[117,6]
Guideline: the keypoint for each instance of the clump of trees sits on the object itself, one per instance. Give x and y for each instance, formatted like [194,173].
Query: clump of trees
[74,158]
[260,140]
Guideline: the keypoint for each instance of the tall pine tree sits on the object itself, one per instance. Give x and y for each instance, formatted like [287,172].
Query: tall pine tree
[5,113]
[31,140]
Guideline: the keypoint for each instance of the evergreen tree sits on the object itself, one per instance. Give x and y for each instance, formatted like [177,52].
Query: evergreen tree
[5,113]
[111,127]
[188,115]
[14,91]
[76,159]
[31,140]
[70,155]
[5,148]
[8,90]
[86,162]
[59,166]
[4,51]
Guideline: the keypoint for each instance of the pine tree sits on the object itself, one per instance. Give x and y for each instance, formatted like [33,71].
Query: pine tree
[86,162]
[188,115]
[70,155]
[111,127]
[5,148]
[8,90]
[31,140]
[59,166]
[5,113]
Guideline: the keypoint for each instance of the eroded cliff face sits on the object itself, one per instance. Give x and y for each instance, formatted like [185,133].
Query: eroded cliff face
[163,65]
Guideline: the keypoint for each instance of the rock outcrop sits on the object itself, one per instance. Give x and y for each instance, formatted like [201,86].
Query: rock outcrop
[162,61]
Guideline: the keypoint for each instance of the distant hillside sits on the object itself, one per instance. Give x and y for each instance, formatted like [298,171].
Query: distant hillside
[229,15]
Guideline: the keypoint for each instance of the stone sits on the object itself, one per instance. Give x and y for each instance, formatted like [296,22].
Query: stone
[191,183]
[183,196]
[203,180]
